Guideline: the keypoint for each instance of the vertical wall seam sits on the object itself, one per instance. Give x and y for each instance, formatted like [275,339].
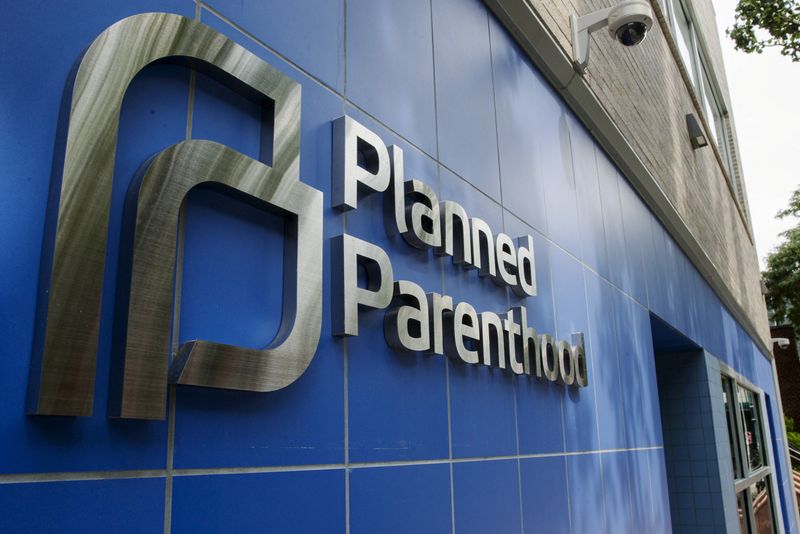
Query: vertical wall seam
[435,100]
[594,389]
[176,311]
[494,112]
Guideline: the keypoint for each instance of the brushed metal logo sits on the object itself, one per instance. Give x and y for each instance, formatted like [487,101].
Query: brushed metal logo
[65,350]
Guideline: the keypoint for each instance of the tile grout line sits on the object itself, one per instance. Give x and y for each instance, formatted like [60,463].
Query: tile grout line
[519,462]
[561,407]
[77,476]
[344,47]
[172,398]
[449,416]
[508,300]
[435,99]
[450,443]
[494,107]
[594,389]
[169,470]
[346,401]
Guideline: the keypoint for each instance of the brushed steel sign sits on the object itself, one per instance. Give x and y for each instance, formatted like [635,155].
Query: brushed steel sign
[65,348]
[65,352]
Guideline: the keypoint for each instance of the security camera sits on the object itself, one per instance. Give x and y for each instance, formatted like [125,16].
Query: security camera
[628,22]
[782,342]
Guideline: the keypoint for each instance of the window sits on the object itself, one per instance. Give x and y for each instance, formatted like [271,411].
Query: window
[684,37]
[691,54]
[752,472]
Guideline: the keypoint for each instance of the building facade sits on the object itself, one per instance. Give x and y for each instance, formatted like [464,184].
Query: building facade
[787,363]
[361,266]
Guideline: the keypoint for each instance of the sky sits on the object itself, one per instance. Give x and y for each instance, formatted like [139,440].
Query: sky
[765,100]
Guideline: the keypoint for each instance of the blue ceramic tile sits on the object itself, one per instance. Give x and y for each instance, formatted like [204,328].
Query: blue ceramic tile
[660,284]
[590,213]
[635,218]
[397,401]
[637,373]
[400,499]
[518,91]
[479,510]
[544,505]
[555,162]
[711,333]
[408,389]
[617,492]
[580,416]
[585,482]
[687,320]
[464,95]
[309,33]
[271,502]
[539,419]
[660,520]
[540,307]
[731,348]
[133,505]
[677,269]
[606,380]
[153,116]
[747,354]
[390,66]
[481,398]
[642,507]
[222,115]
[236,301]
[231,287]
[609,180]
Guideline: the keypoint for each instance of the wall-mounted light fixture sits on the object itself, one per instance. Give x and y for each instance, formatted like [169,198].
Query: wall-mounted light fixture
[627,22]
[782,342]
[696,134]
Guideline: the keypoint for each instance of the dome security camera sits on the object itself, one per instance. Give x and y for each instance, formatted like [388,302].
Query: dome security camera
[628,22]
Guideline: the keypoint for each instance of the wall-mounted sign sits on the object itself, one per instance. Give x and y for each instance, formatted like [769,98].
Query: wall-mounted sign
[68,318]
[431,322]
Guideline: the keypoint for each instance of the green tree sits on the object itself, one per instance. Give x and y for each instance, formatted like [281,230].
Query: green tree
[761,24]
[783,271]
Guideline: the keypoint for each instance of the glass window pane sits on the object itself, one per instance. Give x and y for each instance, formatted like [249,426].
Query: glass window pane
[712,115]
[762,506]
[730,413]
[744,515]
[683,37]
[751,419]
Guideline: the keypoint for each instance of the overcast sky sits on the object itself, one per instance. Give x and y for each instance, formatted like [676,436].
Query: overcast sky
[765,94]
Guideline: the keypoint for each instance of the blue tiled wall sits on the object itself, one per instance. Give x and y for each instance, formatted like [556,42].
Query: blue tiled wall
[696,443]
[366,437]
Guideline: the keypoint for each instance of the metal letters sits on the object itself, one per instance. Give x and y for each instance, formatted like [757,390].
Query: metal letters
[347,252]
[431,322]
[65,351]
[167,180]
[64,357]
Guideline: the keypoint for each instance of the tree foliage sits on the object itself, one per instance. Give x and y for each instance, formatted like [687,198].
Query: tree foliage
[783,271]
[760,24]
[793,437]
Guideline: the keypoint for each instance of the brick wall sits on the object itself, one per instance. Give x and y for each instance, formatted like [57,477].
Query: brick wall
[644,90]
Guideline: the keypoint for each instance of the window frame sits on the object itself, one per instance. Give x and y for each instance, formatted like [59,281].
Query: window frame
[731,383]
